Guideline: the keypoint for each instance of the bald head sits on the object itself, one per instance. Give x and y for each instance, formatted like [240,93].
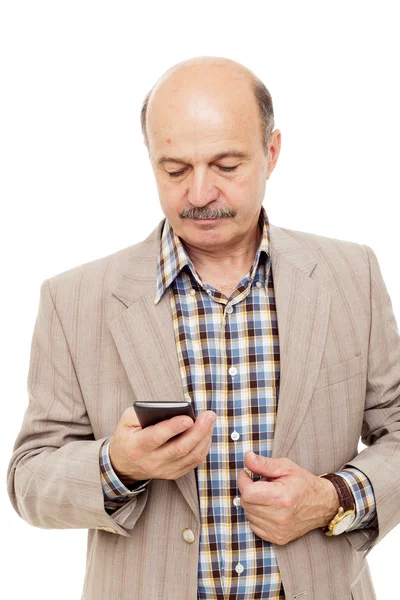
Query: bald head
[217,87]
[207,124]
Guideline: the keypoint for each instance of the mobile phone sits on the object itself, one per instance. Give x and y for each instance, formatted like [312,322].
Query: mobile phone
[150,413]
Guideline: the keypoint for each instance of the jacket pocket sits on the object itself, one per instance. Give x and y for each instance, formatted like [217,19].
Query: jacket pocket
[340,372]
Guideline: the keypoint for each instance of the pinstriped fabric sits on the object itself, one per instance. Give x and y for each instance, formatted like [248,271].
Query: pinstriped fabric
[228,352]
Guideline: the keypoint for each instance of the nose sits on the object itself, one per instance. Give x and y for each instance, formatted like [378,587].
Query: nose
[201,187]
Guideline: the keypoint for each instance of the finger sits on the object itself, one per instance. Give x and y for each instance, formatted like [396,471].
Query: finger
[201,430]
[270,467]
[266,493]
[259,521]
[157,435]
[179,448]
[260,532]
[244,480]
[129,418]
[197,454]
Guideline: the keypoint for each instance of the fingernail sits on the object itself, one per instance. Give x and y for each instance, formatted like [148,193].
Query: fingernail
[210,417]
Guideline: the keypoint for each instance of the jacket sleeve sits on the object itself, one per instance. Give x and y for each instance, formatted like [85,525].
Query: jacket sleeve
[380,461]
[53,477]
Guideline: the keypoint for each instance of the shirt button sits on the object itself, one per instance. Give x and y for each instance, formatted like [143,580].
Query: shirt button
[209,292]
[235,435]
[236,501]
[229,310]
[192,291]
[232,371]
[188,535]
[259,284]
[239,568]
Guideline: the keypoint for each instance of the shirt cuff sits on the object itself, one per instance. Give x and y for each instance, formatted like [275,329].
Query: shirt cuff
[363,495]
[114,491]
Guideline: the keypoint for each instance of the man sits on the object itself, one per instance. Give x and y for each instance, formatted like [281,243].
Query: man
[284,341]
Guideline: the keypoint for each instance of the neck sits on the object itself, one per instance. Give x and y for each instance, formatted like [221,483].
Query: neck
[235,259]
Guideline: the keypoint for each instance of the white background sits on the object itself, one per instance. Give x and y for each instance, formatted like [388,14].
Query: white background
[76,182]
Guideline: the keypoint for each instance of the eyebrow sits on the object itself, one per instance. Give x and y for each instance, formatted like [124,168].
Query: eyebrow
[228,153]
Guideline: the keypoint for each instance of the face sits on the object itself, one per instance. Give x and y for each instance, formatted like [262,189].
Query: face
[205,147]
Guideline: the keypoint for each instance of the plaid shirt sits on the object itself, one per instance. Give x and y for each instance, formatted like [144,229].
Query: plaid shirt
[228,350]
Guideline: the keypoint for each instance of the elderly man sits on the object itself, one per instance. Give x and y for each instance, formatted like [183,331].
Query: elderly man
[286,344]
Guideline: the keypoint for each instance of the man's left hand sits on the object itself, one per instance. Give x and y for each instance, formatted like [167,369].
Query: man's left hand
[287,502]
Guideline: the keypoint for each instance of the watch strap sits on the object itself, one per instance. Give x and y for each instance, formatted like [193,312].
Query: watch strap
[344,492]
[346,500]
[137,485]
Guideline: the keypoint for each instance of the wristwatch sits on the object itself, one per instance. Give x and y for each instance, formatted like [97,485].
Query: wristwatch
[347,510]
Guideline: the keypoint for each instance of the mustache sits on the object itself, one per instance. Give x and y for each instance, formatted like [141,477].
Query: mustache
[206,213]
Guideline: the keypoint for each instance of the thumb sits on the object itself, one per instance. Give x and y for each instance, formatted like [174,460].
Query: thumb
[129,418]
[271,467]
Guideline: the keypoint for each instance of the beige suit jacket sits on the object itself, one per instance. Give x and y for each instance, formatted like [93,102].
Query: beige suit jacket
[99,343]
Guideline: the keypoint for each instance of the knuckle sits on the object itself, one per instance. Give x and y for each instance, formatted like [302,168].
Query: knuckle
[155,437]
[287,462]
[205,427]
[280,540]
[245,496]
[286,502]
[197,456]
[179,427]
[280,520]
[179,452]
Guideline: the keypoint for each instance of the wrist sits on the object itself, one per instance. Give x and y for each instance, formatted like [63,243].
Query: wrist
[331,502]
[125,478]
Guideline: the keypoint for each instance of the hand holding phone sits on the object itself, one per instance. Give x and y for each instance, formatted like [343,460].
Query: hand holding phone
[158,451]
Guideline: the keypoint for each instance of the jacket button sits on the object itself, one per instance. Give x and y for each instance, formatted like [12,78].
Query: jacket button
[188,535]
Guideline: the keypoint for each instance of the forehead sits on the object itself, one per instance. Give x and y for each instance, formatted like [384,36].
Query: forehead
[205,119]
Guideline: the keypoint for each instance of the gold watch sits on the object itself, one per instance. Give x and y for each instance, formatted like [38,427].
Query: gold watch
[347,510]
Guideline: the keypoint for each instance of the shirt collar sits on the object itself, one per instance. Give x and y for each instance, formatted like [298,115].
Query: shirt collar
[172,256]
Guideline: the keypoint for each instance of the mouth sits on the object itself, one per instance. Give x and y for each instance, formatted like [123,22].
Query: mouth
[208,219]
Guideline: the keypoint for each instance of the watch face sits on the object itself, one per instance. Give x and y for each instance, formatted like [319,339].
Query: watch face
[343,524]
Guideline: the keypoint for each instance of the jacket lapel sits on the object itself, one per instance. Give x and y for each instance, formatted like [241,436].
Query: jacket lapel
[145,339]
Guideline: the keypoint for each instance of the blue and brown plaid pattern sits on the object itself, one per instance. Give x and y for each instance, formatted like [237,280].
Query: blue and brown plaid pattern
[114,491]
[228,351]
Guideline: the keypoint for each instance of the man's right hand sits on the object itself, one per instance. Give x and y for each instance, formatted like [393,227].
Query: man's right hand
[149,453]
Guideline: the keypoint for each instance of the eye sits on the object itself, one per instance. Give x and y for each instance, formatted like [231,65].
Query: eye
[176,173]
[227,168]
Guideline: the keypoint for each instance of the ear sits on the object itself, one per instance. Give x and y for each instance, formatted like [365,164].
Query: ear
[274,148]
